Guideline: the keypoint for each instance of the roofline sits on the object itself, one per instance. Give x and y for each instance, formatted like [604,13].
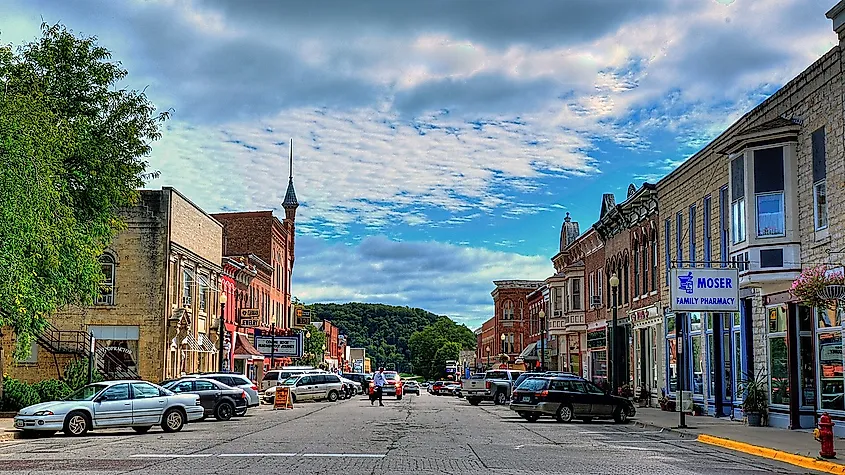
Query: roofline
[174,190]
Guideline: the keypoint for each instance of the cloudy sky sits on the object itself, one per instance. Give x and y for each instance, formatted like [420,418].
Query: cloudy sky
[438,144]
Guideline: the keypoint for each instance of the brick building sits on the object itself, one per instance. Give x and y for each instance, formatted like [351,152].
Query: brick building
[154,317]
[511,317]
[486,348]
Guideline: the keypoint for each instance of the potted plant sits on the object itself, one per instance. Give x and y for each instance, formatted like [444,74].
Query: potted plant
[811,287]
[755,398]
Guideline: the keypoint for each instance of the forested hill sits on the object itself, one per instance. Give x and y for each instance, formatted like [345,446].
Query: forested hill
[384,330]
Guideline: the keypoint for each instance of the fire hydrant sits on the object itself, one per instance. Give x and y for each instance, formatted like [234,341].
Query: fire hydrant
[824,434]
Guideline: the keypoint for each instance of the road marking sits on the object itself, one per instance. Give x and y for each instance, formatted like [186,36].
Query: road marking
[170,456]
[258,455]
[346,455]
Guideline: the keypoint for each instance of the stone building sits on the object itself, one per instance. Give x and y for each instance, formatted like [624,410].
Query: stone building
[768,200]
[154,317]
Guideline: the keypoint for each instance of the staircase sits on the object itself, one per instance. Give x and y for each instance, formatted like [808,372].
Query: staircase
[75,342]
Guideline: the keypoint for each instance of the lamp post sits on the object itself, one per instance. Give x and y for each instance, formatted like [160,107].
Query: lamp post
[222,329]
[307,343]
[614,370]
[542,340]
[504,352]
[324,354]
[488,356]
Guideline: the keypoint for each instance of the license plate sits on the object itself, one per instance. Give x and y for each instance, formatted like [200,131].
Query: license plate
[19,423]
[526,398]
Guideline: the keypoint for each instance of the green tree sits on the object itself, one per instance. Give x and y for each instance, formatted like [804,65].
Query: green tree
[73,150]
[449,351]
[427,346]
[313,349]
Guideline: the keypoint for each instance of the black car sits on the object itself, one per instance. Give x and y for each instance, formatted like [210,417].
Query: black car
[217,399]
[567,398]
[522,377]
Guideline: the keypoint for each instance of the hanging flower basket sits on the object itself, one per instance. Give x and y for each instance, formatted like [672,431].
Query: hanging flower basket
[817,287]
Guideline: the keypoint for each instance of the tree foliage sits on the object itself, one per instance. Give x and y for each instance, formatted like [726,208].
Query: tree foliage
[436,343]
[313,348]
[73,150]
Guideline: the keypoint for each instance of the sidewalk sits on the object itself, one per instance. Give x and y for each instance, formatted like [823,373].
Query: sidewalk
[7,429]
[796,447]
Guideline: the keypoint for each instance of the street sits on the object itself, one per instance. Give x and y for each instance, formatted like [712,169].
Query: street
[418,434]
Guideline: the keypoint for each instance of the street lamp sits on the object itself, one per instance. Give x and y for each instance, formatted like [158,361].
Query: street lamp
[488,356]
[222,330]
[542,340]
[504,350]
[307,344]
[324,354]
[614,370]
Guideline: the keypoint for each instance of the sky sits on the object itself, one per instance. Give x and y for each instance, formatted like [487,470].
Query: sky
[438,145]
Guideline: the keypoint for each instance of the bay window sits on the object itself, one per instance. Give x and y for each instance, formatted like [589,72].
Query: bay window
[819,179]
[768,190]
[738,199]
[770,215]
[738,220]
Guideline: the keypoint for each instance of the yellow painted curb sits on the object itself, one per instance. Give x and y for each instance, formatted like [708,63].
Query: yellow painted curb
[792,459]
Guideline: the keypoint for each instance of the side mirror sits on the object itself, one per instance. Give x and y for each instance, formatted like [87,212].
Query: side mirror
[101,398]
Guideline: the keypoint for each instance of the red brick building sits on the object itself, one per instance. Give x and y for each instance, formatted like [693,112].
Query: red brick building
[629,232]
[511,317]
[486,348]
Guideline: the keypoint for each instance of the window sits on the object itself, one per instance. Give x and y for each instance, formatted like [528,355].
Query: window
[107,267]
[183,387]
[144,391]
[576,294]
[558,301]
[507,310]
[679,238]
[186,288]
[723,225]
[623,281]
[645,267]
[738,223]
[667,230]
[118,392]
[768,190]
[600,282]
[692,234]
[829,359]
[203,291]
[819,179]
[738,199]
[592,286]
[708,245]
[636,269]
[695,361]
[778,356]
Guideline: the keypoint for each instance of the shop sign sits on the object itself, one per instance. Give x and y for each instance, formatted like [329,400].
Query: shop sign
[280,346]
[704,290]
[250,318]
[302,317]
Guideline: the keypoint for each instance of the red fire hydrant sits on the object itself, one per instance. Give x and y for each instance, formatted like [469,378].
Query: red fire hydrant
[824,434]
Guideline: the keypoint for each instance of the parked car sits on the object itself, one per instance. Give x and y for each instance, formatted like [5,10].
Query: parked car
[217,399]
[236,380]
[130,403]
[427,384]
[411,387]
[451,388]
[436,387]
[566,398]
[310,387]
[275,377]
[497,386]
[351,388]
[522,377]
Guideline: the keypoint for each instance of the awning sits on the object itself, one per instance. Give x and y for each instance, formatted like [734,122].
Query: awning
[530,352]
[245,350]
[190,342]
[206,344]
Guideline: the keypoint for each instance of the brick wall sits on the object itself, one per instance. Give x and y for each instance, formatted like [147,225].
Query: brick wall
[192,228]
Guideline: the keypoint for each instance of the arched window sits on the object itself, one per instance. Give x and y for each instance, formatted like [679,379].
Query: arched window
[507,310]
[107,267]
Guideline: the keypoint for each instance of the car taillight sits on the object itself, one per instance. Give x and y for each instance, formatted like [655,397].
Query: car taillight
[243,395]
[487,384]
[254,387]
[542,394]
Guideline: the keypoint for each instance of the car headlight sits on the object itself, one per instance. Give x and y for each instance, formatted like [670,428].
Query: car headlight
[43,413]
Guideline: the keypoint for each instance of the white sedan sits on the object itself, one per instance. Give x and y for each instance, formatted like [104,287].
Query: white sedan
[136,404]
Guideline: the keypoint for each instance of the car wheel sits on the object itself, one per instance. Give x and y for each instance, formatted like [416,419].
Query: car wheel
[225,410]
[531,416]
[500,398]
[142,429]
[332,396]
[473,401]
[173,420]
[564,413]
[620,415]
[77,423]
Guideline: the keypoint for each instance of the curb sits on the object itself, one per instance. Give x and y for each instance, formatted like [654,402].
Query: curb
[792,459]
[8,435]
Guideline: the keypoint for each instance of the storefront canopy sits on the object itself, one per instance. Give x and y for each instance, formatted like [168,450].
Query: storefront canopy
[529,353]
[245,350]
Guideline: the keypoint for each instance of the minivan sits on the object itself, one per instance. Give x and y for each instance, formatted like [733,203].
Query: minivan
[275,377]
[311,387]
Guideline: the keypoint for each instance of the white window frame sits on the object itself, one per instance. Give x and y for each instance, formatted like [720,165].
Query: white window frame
[816,218]
[782,213]
[738,223]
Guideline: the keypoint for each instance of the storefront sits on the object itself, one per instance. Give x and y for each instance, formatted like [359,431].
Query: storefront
[829,390]
[648,334]
[117,347]
[248,360]
[597,355]
[571,349]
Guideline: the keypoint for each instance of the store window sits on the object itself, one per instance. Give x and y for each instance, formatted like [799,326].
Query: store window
[806,358]
[829,357]
[671,355]
[778,356]
[696,360]
[736,331]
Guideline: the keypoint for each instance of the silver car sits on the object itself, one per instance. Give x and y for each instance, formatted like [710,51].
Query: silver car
[136,404]
[235,380]
[311,387]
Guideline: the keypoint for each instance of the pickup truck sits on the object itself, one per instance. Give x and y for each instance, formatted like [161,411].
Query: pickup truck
[494,385]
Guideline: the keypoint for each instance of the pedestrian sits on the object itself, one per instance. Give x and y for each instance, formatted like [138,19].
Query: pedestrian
[378,382]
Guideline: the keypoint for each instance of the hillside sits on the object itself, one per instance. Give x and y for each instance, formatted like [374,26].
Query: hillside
[384,330]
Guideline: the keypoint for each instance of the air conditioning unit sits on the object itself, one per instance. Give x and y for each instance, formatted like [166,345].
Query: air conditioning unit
[595,301]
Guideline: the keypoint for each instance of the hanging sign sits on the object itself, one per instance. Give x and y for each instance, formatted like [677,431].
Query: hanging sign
[704,290]
[283,399]
[280,346]
[250,318]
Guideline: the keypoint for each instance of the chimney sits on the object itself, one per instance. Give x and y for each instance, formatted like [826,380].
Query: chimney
[837,14]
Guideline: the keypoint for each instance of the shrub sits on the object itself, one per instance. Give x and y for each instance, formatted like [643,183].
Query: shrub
[76,374]
[51,390]
[17,395]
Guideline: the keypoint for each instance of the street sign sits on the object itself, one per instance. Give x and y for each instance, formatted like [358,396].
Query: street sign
[250,317]
[285,346]
[704,290]
[302,317]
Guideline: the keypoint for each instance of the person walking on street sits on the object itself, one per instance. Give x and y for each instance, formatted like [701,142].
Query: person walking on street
[378,381]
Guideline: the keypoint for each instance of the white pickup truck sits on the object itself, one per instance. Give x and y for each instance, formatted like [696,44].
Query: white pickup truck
[494,385]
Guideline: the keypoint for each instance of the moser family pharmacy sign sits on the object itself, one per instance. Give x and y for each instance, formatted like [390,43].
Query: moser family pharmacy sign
[704,290]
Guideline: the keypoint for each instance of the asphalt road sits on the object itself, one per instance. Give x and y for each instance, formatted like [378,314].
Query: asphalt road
[424,433]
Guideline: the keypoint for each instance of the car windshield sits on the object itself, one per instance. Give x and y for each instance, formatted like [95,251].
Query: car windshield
[86,393]
[533,384]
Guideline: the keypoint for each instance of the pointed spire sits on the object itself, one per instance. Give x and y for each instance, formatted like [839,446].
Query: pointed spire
[290,203]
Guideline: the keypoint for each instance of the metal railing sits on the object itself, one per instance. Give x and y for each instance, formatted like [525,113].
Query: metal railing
[76,342]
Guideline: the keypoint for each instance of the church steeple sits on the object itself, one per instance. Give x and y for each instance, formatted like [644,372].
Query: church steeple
[290,203]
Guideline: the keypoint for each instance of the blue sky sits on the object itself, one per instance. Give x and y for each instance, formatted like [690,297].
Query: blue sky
[438,144]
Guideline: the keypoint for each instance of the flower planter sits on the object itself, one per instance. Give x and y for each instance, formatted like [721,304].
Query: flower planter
[754,419]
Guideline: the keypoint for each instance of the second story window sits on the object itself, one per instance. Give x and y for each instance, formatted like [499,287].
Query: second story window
[636,269]
[819,180]
[667,249]
[738,200]
[576,294]
[186,287]
[107,267]
[654,264]
[768,190]
[203,292]
[708,241]
[507,310]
